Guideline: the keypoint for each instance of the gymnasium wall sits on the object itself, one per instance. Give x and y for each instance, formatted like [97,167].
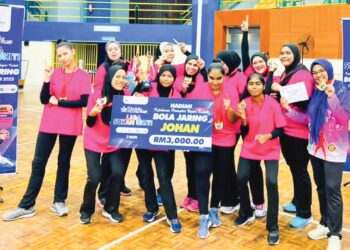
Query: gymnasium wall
[278,26]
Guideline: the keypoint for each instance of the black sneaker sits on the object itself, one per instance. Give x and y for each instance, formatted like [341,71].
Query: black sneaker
[125,191]
[241,221]
[113,216]
[273,238]
[85,218]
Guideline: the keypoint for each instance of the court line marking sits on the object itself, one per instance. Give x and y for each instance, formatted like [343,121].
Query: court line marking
[133,233]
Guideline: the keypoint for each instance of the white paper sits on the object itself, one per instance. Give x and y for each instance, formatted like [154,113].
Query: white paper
[5,18]
[294,92]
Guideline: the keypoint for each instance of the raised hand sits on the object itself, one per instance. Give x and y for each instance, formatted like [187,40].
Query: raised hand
[48,70]
[245,24]
[276,87]
[329,90]
[201,63]
[182,47]
[285,104]
[272,66]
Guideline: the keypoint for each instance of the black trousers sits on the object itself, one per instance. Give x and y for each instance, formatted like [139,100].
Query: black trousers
[328,178]
[243,176]
[116,162]
[44,145]
[191,175]
[106,174]
[256,185]
[296,155]
[164,163]
[219,162]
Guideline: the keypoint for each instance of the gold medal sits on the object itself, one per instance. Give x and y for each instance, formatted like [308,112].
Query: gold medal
[219,125]
[242,105]
[321,86]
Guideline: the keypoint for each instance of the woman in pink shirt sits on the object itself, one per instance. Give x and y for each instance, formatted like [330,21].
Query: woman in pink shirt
[236,79]
[164,159]
[219,162]
[113,55]
[189,85]
[96,147]
[295,137]
[65,91]
[262,122]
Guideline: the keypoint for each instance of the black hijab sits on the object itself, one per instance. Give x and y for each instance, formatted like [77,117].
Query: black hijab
[165,91]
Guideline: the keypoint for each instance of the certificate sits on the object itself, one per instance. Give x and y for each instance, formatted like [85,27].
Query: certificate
[294,92]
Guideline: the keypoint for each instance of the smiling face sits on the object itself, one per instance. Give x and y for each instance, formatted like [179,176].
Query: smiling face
[166,79]
[168,51]
[255,87]
[215,78]
[118,80]
[113,52]
[65,55]
[320,74]
[191,67]
[286,56]
[259,65]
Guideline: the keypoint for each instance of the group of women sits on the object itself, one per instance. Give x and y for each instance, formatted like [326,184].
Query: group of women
[247,104]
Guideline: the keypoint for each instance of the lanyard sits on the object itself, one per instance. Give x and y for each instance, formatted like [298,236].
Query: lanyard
[218,122]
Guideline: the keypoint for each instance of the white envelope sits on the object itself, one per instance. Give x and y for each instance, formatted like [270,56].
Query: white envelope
[294,92]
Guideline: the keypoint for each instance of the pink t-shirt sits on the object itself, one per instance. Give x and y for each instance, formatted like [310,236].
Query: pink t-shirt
[96,138]
[65,120]
[262,119]
[197,87]
[225,137]
[293,128]
[238,80]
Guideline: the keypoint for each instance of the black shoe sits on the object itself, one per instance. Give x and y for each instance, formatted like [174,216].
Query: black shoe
[125,191]
[273,238]
[113,216]
[241,221]
[85,218]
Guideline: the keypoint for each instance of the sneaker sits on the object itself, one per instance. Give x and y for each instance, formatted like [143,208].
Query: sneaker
[102,202]
[150,216]
[175,225]
[318,233]
[159,199]
[273,238]
[125,191]
[334,243]
[241,221]
[113,216]
[260,211]
[194,206]
[298,222]
[229,210]
[214,217]
[186,202]
[19,213]
[289,208]
[85,218]
[204,225]
[60,208]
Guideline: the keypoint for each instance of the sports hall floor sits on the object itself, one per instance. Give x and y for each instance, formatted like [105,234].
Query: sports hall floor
[47,231]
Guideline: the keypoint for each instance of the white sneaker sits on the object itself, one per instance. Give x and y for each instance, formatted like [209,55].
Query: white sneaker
[334,243]
[60,208]
[229,210]
[260,211]
[318,233]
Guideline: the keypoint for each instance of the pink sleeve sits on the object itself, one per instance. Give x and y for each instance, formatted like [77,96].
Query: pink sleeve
[100,76]
[280,120]
[86,84]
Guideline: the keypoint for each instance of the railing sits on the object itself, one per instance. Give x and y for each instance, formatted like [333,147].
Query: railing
[268,4]
[123,11]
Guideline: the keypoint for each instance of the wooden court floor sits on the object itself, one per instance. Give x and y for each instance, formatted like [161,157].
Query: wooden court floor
[47,231]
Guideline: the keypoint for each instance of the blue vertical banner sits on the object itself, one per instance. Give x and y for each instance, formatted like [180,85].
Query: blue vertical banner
[11,29]
[346,70]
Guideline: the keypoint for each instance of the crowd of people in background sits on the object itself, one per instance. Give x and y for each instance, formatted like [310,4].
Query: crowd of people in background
[247,106]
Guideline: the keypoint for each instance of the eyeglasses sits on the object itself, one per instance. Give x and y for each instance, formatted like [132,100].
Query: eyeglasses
[321,71]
